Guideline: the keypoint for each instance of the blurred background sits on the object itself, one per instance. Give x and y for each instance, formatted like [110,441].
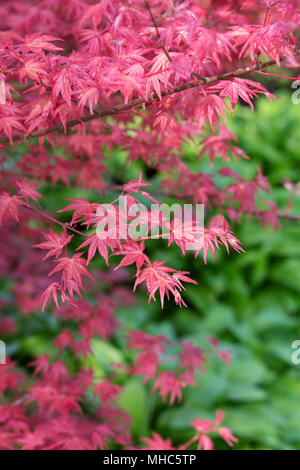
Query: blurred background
[249,302]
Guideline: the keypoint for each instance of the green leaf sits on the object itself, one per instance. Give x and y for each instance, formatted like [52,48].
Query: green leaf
[133,399]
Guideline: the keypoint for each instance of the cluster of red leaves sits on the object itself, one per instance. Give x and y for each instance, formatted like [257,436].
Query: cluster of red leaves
[115,49]
[83,59]
[49,411]
[58,421]
[202,438]
[152,358]
[122,227]
[236,197]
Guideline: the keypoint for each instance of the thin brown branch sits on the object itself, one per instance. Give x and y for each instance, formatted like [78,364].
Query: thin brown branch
[51,218]
[157,31]
[197,75]
[117,109]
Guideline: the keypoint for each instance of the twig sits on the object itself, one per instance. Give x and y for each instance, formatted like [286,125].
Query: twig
[157,31]
[47,216]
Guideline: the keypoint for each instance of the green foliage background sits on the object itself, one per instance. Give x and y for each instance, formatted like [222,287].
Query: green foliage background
[250,302]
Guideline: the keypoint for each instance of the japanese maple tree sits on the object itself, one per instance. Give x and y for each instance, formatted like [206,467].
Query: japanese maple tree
[79,79]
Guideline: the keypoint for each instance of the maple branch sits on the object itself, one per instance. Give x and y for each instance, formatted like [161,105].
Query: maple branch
[157,30]
[117,109]
[50,217]
[66,226]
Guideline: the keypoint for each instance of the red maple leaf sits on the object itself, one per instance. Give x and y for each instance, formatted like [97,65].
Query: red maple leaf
[28,190]
[135,186]
[39,43]
[73,268]
[9,207]
[55,243]
[9,120]
[51,291]
[95,243]
[33,69]
[168,382]
[133,253]
[62,82]
[107,391]
[81,208]
[156,442]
